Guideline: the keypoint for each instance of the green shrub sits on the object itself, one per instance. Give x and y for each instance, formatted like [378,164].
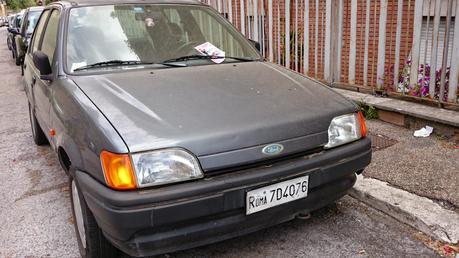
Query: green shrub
[368,111]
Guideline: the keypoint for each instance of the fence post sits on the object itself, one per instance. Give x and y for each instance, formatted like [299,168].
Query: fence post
[445,51]
[230,11]
[382,44]
[332,40]
[306,38]
[270,30]
[242,17]
[255,21]
[316,41]
[287,34]
[353,42]
[433,60]
[338,25]
[367,42]
[279,61]
[454,72]
[327,43]
[296,36]
[415,50]
[398,37]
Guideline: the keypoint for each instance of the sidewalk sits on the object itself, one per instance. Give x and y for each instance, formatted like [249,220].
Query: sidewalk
[415,180]
[427,167]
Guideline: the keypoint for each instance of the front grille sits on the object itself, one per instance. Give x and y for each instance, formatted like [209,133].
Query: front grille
[266,162]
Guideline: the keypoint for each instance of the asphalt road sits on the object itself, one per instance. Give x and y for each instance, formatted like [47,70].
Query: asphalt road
[35,213]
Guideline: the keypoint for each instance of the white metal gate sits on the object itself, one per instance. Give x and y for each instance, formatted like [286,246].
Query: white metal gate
[383,45]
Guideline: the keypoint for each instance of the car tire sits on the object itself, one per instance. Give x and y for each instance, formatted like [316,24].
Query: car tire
[38,135]
[17,59]
[91,241]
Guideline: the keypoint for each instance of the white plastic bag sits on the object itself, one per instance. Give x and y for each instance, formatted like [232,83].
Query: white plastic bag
[424,132]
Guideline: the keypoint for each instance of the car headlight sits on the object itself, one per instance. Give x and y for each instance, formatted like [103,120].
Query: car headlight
[345,129]
[125,172]
[164,167]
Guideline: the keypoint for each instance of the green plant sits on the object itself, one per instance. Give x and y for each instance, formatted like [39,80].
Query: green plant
[292,48]
[369,111]
[19,4]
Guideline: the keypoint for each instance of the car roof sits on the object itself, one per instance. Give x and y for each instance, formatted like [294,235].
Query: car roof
[106,2]
[36,8]
[20,14]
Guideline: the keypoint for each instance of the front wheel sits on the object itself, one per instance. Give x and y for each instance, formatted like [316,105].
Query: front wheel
[91,241]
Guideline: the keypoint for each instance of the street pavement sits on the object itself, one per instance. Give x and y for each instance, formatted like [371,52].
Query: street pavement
[36,221]
[424,166]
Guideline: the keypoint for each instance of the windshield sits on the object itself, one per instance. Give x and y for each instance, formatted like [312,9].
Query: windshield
[150,33]
[32,21]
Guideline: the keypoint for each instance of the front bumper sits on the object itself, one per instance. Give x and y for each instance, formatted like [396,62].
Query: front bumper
[182,216]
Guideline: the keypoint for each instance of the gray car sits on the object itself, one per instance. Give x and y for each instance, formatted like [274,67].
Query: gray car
[173,130]
[24,33]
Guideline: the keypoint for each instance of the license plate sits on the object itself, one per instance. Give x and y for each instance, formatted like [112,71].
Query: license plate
[276,194]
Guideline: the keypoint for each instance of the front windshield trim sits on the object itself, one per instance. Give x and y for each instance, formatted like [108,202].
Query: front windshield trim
[234,31]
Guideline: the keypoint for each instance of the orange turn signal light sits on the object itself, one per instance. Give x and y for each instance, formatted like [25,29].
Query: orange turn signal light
[118,171]
[363,125]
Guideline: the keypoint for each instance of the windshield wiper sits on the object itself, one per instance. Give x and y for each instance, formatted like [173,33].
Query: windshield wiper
[124,62]
[194,57]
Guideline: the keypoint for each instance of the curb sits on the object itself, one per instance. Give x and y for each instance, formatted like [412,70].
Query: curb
[418,212]
[442,116]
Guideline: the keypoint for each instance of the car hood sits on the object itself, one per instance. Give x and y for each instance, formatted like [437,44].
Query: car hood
[213,108]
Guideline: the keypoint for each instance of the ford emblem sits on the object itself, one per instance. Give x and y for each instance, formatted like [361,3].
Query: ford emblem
[273,149]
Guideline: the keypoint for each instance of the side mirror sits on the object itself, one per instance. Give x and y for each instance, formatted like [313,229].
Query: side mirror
[41,61]
[255,44]
[13,31]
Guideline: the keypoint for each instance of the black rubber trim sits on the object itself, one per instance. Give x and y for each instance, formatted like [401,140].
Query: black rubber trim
[217,228]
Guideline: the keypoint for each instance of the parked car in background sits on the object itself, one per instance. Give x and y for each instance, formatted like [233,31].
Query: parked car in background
[13,31]
[175,132]
[22,39]
[10,24]
[3,21]
[9,19]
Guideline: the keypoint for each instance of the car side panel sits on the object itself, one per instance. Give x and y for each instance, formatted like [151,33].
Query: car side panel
[81,129]
[27,78]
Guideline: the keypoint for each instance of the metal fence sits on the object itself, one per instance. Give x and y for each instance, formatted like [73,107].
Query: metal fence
[404,47]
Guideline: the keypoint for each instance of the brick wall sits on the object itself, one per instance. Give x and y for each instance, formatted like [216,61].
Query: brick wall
[279,18]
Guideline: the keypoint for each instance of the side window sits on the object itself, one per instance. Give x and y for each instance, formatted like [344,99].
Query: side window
[39,30]
[24,24]
[48,45]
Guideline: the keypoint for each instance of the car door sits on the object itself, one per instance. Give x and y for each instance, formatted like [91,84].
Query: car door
[30,72]
[42,88]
